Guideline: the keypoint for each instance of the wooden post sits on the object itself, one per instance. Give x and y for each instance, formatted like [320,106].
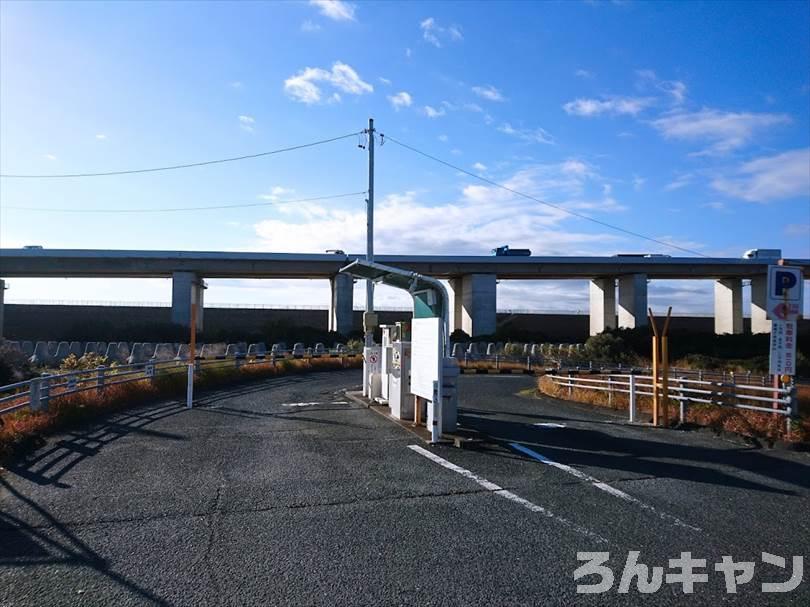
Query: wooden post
[654,367]
[665,370]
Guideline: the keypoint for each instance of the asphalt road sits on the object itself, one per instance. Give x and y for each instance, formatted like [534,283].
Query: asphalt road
[285,493]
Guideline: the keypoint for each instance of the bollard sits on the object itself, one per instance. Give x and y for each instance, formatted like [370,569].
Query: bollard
[632,398]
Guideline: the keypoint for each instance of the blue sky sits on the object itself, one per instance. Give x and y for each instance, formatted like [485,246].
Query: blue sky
[687,122]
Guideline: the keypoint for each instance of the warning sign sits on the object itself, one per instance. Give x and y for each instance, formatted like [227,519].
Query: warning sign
[783,347]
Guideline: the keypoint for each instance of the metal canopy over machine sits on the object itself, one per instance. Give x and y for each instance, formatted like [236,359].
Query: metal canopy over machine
[430,338]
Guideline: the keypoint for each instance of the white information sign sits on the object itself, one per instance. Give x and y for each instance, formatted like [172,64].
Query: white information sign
[424,356]
[785,285]
[783,347]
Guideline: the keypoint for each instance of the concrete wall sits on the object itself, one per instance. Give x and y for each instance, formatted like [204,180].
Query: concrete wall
[47,322]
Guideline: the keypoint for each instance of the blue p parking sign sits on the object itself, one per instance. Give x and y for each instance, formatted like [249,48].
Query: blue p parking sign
[785,285]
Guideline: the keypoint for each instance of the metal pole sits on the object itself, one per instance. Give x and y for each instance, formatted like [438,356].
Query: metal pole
[192,354]
[632,398]
[370,226]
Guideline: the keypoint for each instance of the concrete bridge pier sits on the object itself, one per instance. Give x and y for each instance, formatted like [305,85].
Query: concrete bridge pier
[341,306]
[759,294]
[187,287]
[474,304]
[728,309]
[602,305]
[633,301]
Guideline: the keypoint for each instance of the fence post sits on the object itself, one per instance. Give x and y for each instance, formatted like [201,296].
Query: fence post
[570,385]
[682,401]
[610,390]
[44,392]
[529,364]
[34,389]
[497,366]
[71,383]
[149,370]
[793,404]
[632,398]
[99,379]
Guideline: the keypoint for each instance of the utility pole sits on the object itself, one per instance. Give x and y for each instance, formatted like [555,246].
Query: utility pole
[369,322]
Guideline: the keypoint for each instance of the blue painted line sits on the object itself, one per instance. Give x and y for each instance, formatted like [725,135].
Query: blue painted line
[530,453]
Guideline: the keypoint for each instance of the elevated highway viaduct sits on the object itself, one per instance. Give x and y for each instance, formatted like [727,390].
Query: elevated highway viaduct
[618,284]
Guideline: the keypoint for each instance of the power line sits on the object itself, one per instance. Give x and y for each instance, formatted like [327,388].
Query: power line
[185,166]
[180,209]
[544,202]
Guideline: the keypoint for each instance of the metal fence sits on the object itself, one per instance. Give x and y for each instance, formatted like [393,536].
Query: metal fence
[36,393]
[686,391]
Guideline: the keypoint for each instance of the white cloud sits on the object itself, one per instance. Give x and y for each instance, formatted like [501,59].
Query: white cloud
[583,74]
[614,106]
[246,123]
[408,53]
[715,205]
[785,175]
[674,88]
[236,84]
[384,81]
[488,92]
[101,136]
[302,86]
[49,157]
[473,107]
[400,100]
[537,135]
[336,10]
[309,26]
[797,229]
[456,152]
[432,112]
[480,167]
[681,181]
[435,34]
[638,183]
[443,138]
[724,131]
[405,223]
[276,192]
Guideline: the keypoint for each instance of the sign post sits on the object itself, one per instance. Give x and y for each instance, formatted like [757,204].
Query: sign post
[784,306]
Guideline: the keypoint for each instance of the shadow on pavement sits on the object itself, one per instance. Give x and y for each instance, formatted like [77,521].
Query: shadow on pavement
[23,545]
[583,447]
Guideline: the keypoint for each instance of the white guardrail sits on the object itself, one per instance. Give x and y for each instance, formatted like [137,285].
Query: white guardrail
[37,392]
[685,391]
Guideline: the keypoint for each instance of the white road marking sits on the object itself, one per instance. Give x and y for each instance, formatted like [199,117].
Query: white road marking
[498,490]
[549,425]
[602,485]
[340,402]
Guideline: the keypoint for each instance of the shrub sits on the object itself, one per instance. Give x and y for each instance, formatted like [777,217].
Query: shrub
[608,347]
[87,362]
[355,345]
[14,365]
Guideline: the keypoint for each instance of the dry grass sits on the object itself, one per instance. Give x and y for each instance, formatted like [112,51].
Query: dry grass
[25,429]
[766,427]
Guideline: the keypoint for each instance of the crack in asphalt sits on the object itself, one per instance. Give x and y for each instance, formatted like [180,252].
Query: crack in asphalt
[217,510]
